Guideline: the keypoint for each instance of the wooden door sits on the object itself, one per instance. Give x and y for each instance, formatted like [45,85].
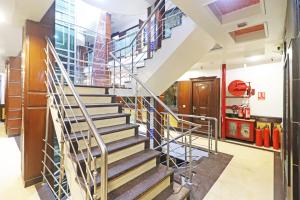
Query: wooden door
[205,98]
[202,96]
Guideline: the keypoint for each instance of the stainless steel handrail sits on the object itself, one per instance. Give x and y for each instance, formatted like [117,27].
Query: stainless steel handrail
[205,118]
[146,22]
[100,142]
[151,93]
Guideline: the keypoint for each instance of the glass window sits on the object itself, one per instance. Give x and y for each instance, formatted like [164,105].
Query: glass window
[173,18]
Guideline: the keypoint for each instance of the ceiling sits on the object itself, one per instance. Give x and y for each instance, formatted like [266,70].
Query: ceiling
[125,7]
[249,32]
[14,13]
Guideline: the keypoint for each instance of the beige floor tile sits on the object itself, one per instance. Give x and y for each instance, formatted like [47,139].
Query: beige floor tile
[11,184]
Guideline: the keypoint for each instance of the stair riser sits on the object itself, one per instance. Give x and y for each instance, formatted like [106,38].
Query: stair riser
[93,111]
[118,155]
[87,90]
[90,100]
[157,189]
[112,137]
[130,175]
[83,126]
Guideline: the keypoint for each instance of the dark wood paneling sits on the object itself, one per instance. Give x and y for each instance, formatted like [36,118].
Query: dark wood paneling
[37,100]
[14,89]
[34,98]
[13,100]
[184,97]
[15,113]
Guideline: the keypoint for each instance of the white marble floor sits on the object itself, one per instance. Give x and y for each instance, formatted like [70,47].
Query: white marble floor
[11,184]
[248,176]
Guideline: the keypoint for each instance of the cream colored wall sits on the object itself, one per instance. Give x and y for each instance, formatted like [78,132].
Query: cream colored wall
[266,78]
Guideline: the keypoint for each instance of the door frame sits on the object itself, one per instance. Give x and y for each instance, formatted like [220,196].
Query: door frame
[215,90]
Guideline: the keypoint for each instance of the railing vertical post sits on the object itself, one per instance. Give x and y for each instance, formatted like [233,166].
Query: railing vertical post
[114,80]
[136,102]
[89,167]
[168,139]
[216,136]
[61,169]
[120,69]
[95,178]
[209,137]
[104,177]
[47,115]
[185,153]
[190,157]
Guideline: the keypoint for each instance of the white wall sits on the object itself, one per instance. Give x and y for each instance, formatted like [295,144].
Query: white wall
[266,78]
[200,73]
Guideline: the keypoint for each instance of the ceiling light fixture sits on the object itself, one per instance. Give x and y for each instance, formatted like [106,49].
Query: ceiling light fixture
[254,58]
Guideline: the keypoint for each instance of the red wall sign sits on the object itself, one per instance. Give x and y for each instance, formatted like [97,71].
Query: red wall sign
[261,96]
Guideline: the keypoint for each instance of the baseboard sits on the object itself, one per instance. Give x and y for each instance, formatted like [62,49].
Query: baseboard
[36,180]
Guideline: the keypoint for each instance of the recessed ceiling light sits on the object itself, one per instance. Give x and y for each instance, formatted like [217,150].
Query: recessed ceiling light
[254,58]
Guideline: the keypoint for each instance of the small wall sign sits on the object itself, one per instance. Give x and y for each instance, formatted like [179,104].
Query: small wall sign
[261,96]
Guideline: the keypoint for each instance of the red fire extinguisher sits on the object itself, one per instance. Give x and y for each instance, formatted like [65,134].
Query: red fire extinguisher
[259,139]
[267,137]
[247,112]
[276,138]
[241,112]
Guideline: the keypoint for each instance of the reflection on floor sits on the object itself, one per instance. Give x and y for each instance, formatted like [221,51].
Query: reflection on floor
[248,176]
[11,184]
[206,172]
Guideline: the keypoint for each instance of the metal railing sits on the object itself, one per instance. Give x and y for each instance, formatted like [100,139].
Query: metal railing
[118,69]
[141,91]
[60,101]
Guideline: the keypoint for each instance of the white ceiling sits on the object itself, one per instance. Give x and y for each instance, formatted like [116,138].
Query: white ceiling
[237,54]
[15,12]
[125,7]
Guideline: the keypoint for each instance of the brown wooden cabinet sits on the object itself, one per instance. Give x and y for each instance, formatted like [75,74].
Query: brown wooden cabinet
[13,97]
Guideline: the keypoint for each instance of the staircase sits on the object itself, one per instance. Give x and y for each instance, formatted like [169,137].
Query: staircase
[131,170]
[102,152]
[151,63]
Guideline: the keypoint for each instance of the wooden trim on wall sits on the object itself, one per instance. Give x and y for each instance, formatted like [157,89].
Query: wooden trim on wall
[34,96]
[13,98]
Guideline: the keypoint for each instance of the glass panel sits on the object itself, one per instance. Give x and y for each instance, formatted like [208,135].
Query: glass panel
[173,18]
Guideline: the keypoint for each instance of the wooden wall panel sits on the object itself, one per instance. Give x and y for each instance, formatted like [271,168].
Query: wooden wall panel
[34,94]
[184,97]
[13,100]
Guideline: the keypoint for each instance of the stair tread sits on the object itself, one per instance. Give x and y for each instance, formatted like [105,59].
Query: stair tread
[93,95]
[96,117]
[140,185]
[112,147]
[104,130]
[92,86]
[124,165]
[95,105]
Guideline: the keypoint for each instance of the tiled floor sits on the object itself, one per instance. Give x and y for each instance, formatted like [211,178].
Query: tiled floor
[248,176]
[11,185]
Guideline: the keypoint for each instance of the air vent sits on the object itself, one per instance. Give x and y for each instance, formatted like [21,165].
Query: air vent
[216,47]
[250,33]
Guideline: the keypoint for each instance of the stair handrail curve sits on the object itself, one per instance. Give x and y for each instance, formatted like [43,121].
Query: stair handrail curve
[144,86]
[145,23]
[99,140]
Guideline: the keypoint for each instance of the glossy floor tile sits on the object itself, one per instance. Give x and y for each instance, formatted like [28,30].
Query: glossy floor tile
[11,184]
